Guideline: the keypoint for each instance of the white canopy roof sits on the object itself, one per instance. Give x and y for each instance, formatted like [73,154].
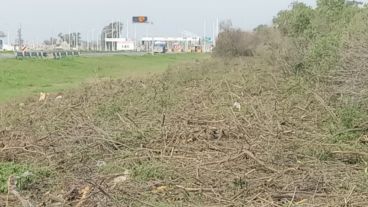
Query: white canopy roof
[171,39]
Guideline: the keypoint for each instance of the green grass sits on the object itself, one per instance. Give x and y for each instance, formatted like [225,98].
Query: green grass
[350,125]
[26,175]
[30,76]
[149,171]
[6,52]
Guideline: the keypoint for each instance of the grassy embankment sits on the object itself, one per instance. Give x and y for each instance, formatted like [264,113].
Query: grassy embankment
[30,76]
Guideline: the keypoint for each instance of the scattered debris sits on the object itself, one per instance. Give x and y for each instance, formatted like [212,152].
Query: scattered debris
[237,106]
[42,96]
[100,163]
[161,189]
[84,195]
[58,97]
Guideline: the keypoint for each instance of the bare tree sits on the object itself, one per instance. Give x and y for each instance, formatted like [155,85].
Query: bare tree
[74,39]
[226,25]
[51,41]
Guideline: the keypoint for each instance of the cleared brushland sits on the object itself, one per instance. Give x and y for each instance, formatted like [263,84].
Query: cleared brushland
[178,139]
[278,121]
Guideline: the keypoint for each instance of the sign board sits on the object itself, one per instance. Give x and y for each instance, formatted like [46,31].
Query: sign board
[140,19]
[125,46]
[208,40]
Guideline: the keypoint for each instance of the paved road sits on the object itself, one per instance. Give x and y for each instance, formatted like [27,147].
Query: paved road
[99,54]
[89,54]
[4,56]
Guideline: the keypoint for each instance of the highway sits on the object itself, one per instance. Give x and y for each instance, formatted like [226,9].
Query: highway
[86,54]
[6,55]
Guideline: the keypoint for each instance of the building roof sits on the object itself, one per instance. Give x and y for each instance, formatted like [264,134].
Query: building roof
[171,39]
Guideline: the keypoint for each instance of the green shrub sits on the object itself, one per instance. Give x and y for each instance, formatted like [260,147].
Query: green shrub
[319,34]
[295,22]
[349,126]
[235,42]
[26,175]
[324,53]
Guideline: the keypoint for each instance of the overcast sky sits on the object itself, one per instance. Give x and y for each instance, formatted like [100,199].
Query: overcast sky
[42,18]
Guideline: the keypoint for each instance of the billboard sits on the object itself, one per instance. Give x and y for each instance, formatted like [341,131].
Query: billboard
[140,19]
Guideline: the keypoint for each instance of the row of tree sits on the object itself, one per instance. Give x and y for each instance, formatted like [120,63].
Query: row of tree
[73,39]
[305,39]
[320,34]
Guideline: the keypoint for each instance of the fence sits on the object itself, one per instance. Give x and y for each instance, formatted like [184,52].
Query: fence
[43,54]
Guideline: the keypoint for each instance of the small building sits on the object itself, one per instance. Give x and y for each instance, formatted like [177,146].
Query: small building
[5,47]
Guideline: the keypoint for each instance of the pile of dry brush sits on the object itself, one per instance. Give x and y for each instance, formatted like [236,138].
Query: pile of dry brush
[221,132]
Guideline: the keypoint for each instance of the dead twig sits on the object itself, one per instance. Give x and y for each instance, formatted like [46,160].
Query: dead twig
[250,155]
[133,122]
[350,153]
[350,130]
[85,192]
[12,189]
[24,149]
[101,190]
[194,189]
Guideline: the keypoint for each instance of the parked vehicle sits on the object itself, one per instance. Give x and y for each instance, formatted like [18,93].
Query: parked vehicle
[159,47]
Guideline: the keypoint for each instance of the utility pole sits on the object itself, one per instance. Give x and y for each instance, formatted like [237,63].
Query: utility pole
[93,40]
[105,41]
[204,36]
[52,39]
[127,29]
[112,33]
[75,40]
[135,32]
[97,41]
[217,29]
[213,34]
[69,39]
[20,40]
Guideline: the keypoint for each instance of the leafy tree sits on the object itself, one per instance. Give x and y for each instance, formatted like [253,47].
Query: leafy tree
[260,27]
[296,21]
[318,33]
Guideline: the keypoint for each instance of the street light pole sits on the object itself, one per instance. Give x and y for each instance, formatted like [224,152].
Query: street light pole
[204,36]
[153,44]
[127,29]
